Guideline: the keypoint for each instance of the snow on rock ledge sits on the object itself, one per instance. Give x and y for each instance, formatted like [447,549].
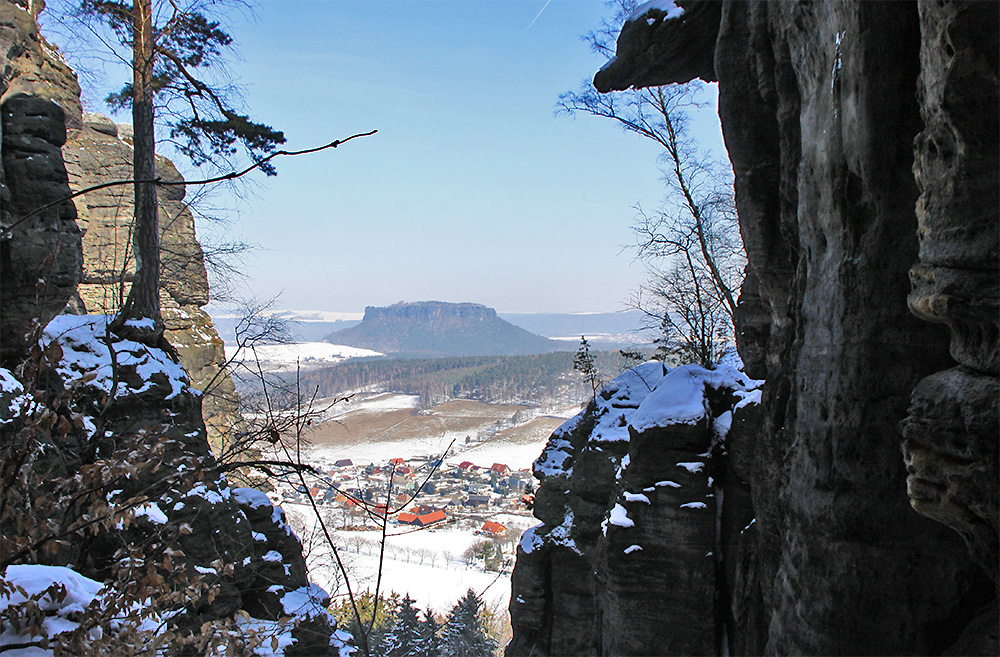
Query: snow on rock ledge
[235,550]
[627,504]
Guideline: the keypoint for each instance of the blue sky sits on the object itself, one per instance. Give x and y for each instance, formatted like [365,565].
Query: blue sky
[472,190]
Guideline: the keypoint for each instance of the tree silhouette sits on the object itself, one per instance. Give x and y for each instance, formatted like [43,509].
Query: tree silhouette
[405,639]
[693,244]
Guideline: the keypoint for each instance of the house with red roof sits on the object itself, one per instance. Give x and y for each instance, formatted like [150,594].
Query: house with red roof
[423,509]
[397,461]
[495,528]
[422,520]
[465,465]
[431,518]
[500,468]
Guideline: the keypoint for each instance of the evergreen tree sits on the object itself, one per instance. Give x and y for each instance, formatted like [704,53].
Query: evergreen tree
[464,634]
[430,642]
[405,639]
[168,44]
[584,364]
[375,629]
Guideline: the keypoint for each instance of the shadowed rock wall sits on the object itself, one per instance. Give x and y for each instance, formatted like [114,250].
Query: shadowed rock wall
[822,106]
[40,256]
[951,432]
[630,555]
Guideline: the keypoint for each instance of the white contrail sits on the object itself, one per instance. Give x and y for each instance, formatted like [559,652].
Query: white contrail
[537,15]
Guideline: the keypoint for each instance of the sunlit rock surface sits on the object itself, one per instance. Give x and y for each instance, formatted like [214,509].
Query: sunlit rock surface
[100,152]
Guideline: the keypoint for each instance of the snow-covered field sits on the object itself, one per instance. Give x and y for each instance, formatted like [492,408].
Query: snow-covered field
[284,357]
[429,434]
[426,564]
[515,455]
[366,403]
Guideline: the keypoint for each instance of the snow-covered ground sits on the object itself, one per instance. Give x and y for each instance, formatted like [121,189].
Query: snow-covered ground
[374,403]
[427,564]
[517,456]
[517,453]
[284,357]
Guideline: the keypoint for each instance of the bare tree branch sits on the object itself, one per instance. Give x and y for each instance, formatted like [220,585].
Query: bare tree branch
[172,183]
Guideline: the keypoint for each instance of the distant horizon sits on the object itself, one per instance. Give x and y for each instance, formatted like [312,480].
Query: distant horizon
[220,310]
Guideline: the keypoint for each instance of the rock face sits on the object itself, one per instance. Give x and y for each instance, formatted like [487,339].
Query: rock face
[40,255]
[631,532]
[823,106]
[42,114]
[97,153]
[950,444]
[436,328]
[131,428]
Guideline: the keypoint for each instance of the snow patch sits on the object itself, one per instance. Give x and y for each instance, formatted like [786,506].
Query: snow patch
[305,601]
[87,359]
[251,497]
[200,490]
[530,540]
[666,6]
[59,615]
[151,512]
[555,459]
[680,397]
[619,516]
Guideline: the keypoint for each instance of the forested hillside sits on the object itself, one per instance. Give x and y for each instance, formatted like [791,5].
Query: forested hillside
[537,378]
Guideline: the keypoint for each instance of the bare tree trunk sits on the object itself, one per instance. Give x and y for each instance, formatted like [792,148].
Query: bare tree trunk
[143,300]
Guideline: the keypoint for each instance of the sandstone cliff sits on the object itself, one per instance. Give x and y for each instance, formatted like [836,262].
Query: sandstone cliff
[97,153]
[93,153]
[39,94]
[633,530]
[864,139]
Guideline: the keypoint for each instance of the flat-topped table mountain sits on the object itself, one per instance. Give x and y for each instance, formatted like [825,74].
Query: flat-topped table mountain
[436,328]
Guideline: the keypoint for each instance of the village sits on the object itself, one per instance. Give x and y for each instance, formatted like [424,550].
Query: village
[419,492]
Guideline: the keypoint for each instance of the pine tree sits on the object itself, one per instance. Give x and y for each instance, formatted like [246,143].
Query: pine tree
[464,634]
[583,363]
[168,44]
[405,639]
[430,642]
